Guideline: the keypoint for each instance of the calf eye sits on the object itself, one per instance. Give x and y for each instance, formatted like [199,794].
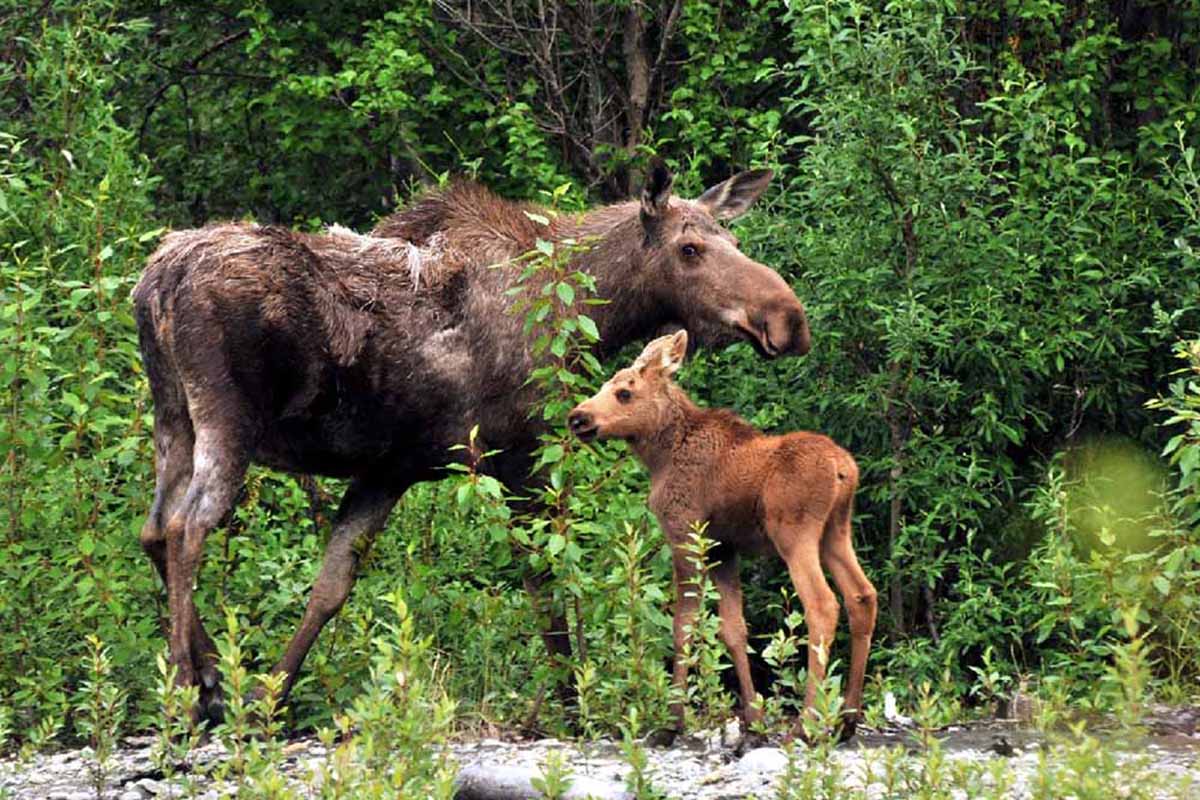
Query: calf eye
[624,395]
[689,251]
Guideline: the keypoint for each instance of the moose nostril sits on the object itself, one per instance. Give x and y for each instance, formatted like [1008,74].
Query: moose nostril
[577,420]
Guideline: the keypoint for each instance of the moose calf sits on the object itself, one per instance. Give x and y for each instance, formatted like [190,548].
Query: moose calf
[792,495]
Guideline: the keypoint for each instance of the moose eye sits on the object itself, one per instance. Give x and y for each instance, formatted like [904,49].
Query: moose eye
[624,395]
[689,251]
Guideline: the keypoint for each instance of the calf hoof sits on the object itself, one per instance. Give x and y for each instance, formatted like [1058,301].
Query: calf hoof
[839,733]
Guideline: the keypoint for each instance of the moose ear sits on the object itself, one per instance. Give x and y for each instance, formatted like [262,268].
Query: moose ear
[657,190]
[731,198]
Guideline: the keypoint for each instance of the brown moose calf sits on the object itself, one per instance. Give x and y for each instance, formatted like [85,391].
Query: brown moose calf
[792,495]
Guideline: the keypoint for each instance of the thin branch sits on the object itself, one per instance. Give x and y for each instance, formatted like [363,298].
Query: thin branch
[188,70]
[668,30]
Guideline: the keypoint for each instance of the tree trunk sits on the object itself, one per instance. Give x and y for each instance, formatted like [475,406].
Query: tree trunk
[637,71]
[895,511]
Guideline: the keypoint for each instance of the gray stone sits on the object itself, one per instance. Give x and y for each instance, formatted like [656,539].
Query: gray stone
[762,760]
[150,787]
[489,782]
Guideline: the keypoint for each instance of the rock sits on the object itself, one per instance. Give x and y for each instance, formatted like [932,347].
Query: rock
[892,714]
[150,787]
[131,794]
[762,761]
[490,782]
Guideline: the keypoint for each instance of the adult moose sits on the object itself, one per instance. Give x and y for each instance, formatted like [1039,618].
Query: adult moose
[368,357]
[791,495]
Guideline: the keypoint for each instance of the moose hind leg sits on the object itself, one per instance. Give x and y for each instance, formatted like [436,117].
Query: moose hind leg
[174,441]
[363,512]
[218,468]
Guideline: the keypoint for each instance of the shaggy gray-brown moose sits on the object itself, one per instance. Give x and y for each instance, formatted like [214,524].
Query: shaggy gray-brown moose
[369,357]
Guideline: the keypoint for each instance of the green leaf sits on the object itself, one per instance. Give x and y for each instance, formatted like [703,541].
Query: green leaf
[552,454]
[566,293]
[588,327]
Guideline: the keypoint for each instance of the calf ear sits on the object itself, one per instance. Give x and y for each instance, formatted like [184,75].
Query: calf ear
[657,190]
[731,198]
[651,356]
[674,352]
[664,354]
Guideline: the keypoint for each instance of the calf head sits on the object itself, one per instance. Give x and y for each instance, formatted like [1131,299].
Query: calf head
[634,401]
[711,287]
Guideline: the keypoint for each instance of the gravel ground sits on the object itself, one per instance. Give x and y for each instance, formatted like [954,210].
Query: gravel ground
[694,768]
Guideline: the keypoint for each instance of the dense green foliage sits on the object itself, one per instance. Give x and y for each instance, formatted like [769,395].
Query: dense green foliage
[991,211]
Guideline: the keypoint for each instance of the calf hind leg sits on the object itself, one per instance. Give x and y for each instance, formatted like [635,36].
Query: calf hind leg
[802,555]
[858,593]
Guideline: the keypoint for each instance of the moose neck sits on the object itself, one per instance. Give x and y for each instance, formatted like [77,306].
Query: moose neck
[614,255]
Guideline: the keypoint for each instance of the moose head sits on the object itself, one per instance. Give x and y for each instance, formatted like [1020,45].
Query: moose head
[710,287]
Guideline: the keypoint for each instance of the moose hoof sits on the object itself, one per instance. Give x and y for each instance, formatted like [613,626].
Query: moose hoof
[211,705]
[661,738]
[750,740]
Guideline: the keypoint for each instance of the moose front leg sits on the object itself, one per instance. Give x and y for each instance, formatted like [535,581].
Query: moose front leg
[687,603]
[363,512]
[551,615]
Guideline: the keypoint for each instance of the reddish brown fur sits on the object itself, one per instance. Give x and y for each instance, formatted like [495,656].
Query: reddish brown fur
[791,495]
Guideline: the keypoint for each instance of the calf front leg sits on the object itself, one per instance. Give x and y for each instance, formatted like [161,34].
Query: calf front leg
[363,512]
[733,632]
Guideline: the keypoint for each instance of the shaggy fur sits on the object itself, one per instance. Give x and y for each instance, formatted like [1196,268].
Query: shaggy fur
[370,356]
